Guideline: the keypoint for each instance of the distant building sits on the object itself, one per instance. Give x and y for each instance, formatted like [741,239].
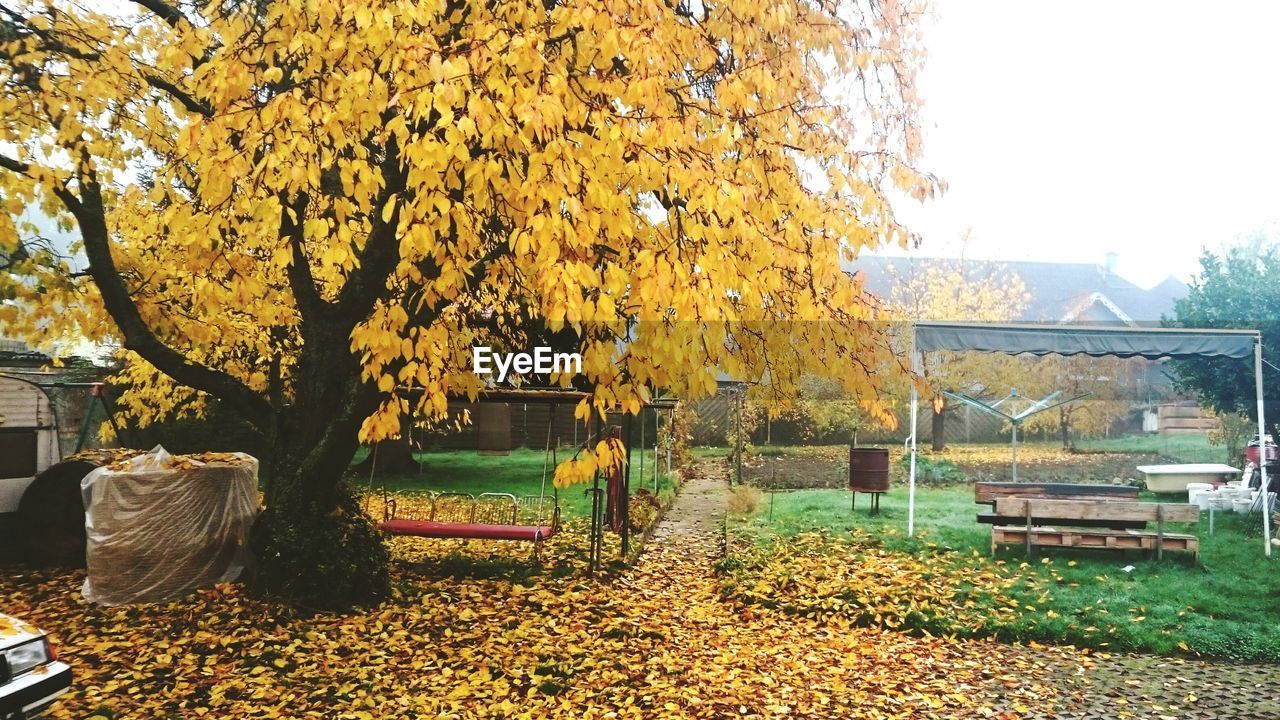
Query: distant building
[16,355]
[1059,292]
[65,387]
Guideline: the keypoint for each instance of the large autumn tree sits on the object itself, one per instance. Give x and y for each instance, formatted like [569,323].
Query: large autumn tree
[311,210]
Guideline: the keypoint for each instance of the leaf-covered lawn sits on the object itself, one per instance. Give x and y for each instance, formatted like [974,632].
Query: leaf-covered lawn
[857,578]
[806,551]
[655,641]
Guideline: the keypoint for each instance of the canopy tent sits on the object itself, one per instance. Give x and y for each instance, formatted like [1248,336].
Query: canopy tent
[1018,339]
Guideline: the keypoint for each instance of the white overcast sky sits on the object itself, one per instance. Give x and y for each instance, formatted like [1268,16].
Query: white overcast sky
[1070,128]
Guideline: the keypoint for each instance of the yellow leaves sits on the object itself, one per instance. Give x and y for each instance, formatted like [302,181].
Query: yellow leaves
[363,16]
[11,626]
[575,471]
[389,209]
[818,576]
[547,646]
[528,180]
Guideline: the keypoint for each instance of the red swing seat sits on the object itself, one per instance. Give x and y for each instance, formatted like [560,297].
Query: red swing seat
[490,516]
[472,531]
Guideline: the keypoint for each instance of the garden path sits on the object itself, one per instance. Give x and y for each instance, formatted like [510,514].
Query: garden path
[796,666]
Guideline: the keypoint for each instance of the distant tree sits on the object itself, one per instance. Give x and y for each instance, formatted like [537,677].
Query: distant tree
[825,411]
[1237,288]
[1111,384]
[1232,431]
[955,290]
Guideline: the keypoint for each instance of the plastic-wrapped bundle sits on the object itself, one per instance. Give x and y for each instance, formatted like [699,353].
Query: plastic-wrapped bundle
[159,526]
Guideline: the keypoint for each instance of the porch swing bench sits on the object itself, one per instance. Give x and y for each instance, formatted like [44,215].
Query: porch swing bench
[488,516]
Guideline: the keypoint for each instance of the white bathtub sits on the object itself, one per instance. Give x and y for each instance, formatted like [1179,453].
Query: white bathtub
[1174,478]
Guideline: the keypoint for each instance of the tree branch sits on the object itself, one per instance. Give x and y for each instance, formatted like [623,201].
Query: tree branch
[89,211]
[310,305]
[154,80]
[382,249]
[170,14]
[14,165]
[186,100]
[20,23]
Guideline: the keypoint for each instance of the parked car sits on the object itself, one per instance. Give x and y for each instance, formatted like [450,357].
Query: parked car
[31,676]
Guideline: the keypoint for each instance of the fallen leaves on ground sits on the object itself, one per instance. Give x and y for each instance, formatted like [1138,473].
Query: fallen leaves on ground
[817,575]
[655,641]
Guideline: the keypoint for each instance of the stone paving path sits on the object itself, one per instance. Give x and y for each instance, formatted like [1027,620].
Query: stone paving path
[1088,688]
[1147,687]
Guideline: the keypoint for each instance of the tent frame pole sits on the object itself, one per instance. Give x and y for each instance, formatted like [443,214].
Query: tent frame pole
[916,368]
[1264,490]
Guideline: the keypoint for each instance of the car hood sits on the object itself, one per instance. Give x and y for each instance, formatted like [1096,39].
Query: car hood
[14,631]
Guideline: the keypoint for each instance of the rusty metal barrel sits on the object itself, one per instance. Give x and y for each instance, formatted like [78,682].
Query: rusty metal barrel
[868,469]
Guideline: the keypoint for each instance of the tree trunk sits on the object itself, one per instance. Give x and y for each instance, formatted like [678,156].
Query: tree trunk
[939,426]
[315,546]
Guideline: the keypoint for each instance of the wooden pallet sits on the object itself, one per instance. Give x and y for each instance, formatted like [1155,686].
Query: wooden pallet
[988,492]
[1066,512]
[1094,539]
[995,519]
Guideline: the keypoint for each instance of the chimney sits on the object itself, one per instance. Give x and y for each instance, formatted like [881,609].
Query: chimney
[1109,261]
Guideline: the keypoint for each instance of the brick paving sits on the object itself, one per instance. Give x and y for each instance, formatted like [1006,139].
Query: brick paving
[1145,687]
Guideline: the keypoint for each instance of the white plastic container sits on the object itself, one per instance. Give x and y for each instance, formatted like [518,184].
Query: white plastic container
[1192,487]
[1199,498]
[1241,506]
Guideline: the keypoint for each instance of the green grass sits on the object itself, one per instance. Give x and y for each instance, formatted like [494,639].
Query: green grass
[1224,605]
[1190,448]
[519,473]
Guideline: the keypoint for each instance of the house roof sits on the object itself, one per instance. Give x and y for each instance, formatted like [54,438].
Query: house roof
[15,353]
[1075,292]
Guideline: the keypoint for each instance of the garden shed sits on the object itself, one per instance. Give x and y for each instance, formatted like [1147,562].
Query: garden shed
[28,437]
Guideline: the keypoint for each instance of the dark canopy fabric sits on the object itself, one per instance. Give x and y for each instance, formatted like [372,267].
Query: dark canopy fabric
[1083,340]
